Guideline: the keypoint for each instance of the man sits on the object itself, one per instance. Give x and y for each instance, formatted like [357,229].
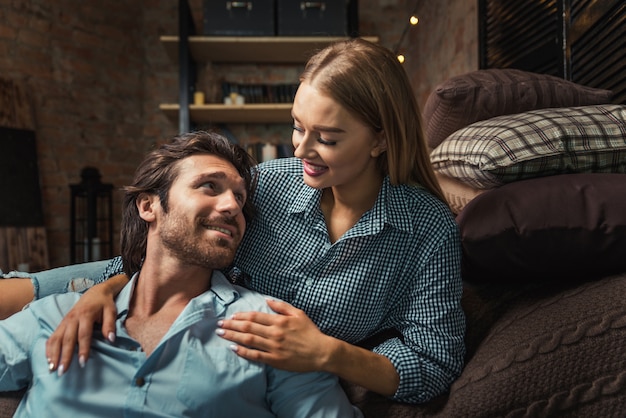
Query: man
[183,219]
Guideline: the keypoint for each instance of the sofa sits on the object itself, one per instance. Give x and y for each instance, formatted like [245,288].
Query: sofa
[532,351]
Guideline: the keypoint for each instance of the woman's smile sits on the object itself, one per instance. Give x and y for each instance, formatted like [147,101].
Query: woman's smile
[314,170]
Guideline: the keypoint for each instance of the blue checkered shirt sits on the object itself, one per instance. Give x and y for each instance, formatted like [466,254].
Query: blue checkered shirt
[397,269]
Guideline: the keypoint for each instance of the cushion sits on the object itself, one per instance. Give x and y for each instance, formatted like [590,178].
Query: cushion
[457,194]
[551,352]
[558,228]
[537,143]
[483,94]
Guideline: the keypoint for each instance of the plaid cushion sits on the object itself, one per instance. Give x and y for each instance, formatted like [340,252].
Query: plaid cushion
[490,153]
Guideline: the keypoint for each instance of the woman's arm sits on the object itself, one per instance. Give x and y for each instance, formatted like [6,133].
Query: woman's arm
[291,341]
[14,295]
[97,305]
[16,292]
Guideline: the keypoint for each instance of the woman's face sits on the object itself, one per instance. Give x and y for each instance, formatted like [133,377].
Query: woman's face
[336,148]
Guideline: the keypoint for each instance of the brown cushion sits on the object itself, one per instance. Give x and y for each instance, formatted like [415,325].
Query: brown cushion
[483,94]
[553,351]
[556,228]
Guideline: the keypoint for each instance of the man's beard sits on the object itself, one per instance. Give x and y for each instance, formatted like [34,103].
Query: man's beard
[191,245]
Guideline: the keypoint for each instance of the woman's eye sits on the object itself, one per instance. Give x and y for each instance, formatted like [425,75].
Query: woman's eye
[325,142]
[319,139]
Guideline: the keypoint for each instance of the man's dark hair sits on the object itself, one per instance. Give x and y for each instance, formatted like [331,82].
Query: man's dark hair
[156,174]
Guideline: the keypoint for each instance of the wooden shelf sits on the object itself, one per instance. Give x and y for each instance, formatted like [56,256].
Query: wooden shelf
[218,113]
[245,49]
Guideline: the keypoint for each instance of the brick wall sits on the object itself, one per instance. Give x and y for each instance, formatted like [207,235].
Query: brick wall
[97,73]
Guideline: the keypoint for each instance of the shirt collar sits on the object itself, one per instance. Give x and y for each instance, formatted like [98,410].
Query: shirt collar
[306,201]
[220,287]
[223,288]
[122,302]
[394,207]
[390,207]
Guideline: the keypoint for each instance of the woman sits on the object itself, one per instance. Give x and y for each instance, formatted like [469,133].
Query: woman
[353,232]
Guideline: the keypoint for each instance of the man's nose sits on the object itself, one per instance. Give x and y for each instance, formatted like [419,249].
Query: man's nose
[229,203]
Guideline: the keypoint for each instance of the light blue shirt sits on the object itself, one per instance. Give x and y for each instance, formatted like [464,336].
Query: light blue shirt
[192,372]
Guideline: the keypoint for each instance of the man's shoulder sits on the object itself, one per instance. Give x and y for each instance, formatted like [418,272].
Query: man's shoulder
[251,300]
[237,297]
[53,307]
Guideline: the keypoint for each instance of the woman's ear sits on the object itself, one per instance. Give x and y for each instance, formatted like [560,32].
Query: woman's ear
[381,145]
[147,205]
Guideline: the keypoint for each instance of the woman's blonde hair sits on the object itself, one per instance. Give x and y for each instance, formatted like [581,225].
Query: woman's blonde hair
[368,81]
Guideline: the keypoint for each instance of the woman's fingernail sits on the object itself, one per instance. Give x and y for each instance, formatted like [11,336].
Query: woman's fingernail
[61,370]
[111,337]
[82,360]
[220,323]
[50,365]
[234,348]
[220,332]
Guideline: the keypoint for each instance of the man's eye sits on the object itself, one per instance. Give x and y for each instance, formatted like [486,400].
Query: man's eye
[208,185]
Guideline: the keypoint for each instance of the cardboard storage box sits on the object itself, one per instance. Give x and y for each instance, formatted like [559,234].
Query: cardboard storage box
[239,18]
[317,18]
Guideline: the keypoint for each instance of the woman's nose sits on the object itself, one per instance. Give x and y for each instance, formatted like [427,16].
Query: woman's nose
[302,145]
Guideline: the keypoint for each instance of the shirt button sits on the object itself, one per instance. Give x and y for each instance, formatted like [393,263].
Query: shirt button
[140,381]
[308,282]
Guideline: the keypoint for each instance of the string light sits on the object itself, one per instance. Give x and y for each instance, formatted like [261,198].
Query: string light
[413,20]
